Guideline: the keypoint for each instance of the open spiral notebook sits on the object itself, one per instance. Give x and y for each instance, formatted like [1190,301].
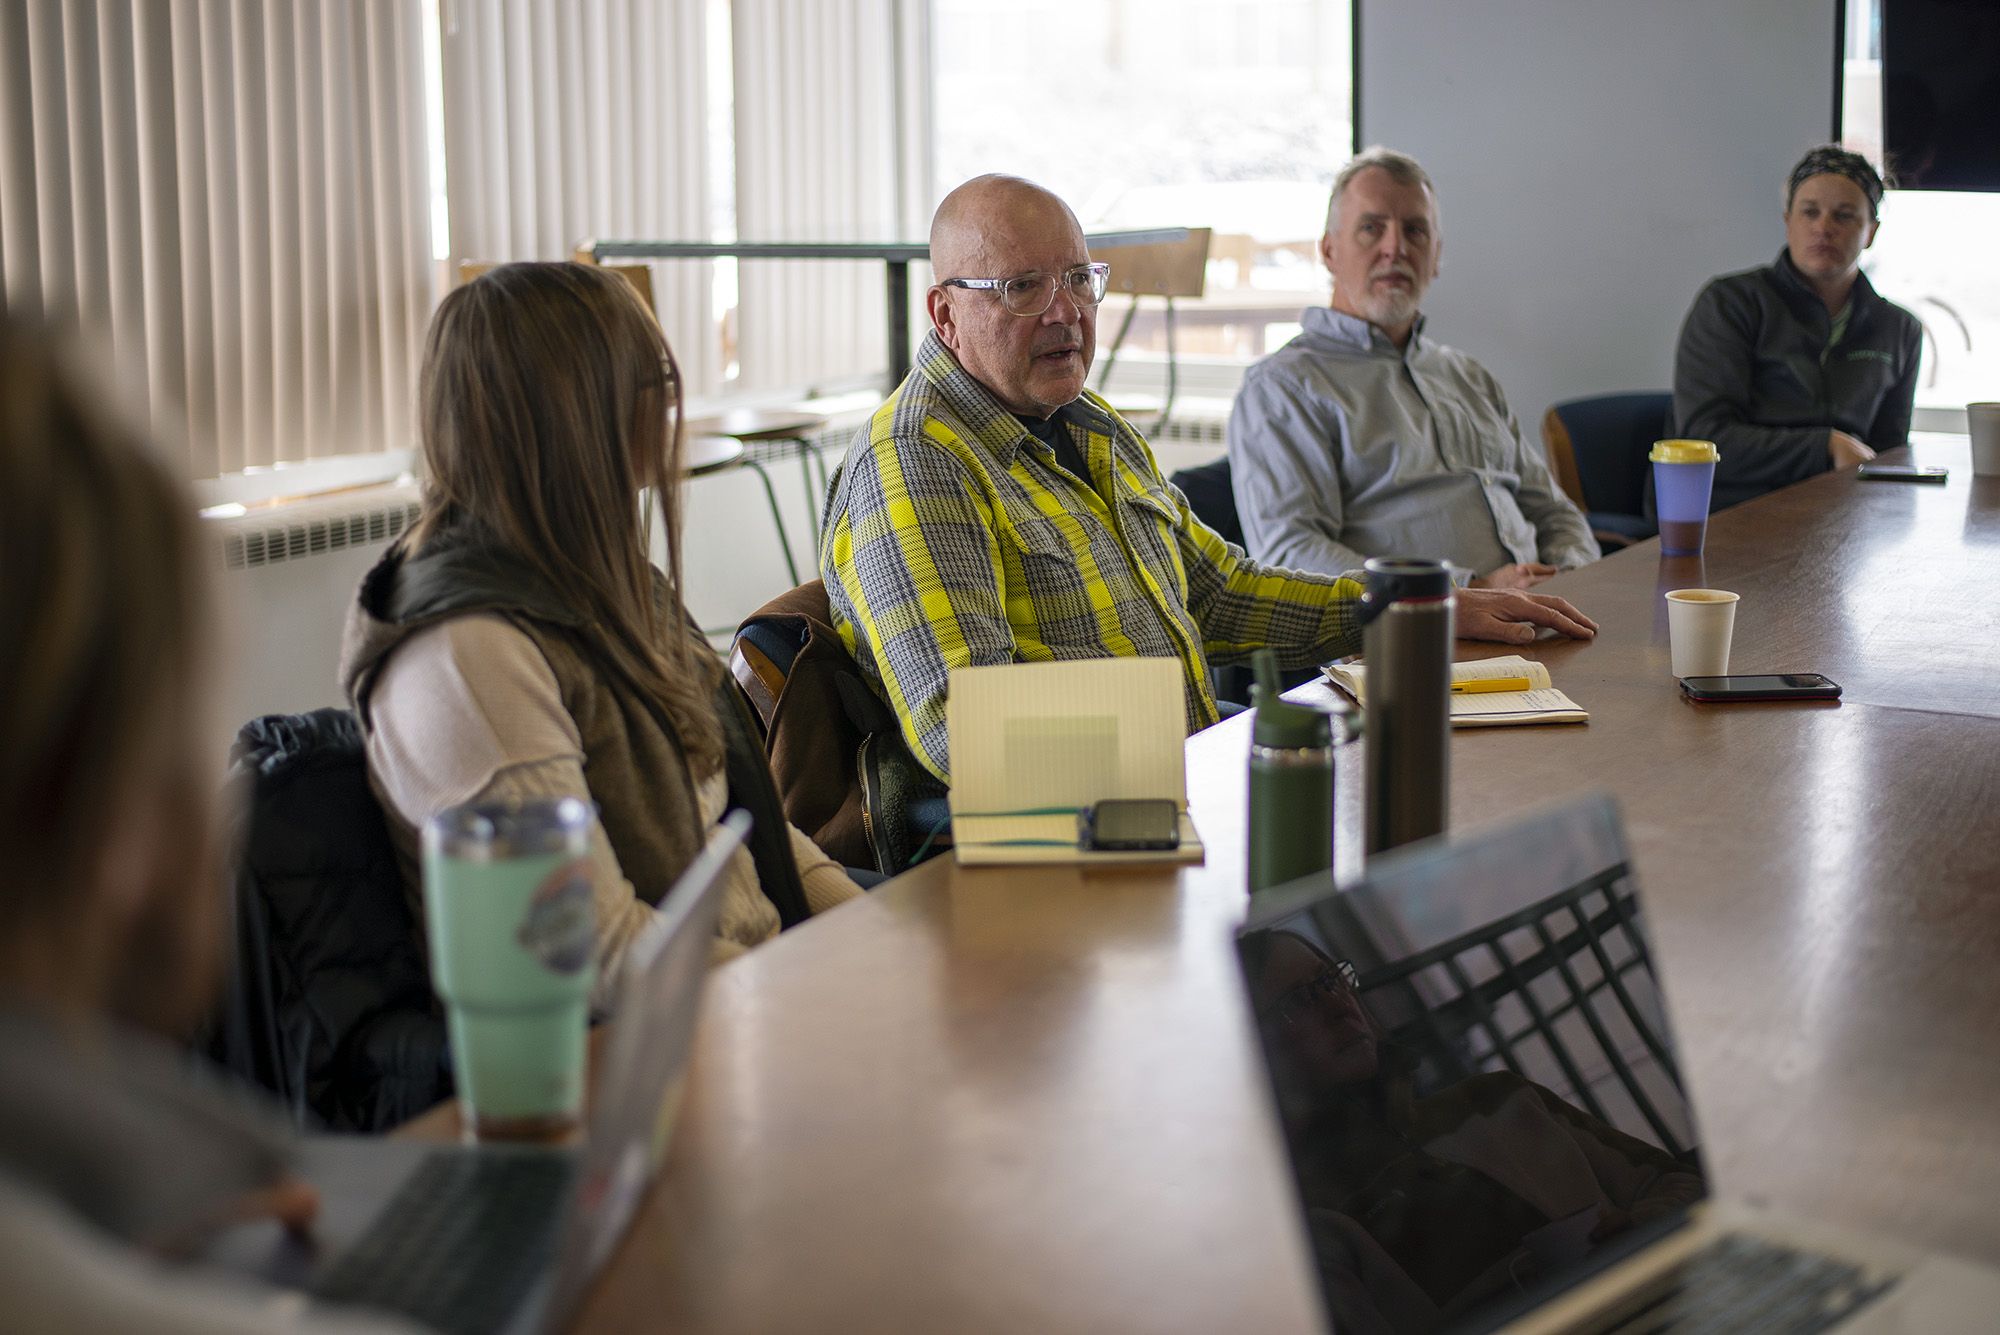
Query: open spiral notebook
[1033,744]
[1540,702]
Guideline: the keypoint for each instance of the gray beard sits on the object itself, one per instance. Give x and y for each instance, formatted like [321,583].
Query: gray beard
[1396,309]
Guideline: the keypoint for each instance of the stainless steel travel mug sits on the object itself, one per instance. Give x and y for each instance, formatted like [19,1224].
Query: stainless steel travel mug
[1408,615]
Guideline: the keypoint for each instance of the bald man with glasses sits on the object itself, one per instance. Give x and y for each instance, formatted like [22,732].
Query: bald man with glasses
[994,510]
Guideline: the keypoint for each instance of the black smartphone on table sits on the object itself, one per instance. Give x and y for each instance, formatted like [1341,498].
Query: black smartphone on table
[1124,824]
[1899,473]
[1774,686]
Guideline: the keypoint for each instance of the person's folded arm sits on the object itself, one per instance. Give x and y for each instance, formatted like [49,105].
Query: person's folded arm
[1891,427]
[918,563]
[1713,372]
[1284,448]
[1638,1178]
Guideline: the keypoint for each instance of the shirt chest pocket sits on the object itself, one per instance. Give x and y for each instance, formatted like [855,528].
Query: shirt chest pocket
[1047,563]
[1472,437]
[1061,550]
[1043,537]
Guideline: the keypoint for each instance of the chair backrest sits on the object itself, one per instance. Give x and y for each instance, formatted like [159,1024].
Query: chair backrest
[1161,268]
[328,1004]
[1212,497]
[1606,437]
[842,772]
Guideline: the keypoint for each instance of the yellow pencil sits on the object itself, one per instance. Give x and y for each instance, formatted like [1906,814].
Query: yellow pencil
[1486,685]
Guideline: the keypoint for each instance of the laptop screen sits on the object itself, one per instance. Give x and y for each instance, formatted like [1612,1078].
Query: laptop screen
[1473,1071]
[643,1064]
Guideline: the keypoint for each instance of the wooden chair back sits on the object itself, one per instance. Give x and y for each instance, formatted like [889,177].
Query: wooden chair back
[640,276]
[1161,268]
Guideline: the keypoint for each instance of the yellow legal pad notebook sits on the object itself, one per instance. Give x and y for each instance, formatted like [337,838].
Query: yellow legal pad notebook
[1033,743]
[1540,703]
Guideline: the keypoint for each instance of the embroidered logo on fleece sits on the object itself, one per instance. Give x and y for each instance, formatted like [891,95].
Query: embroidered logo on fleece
[1872,355]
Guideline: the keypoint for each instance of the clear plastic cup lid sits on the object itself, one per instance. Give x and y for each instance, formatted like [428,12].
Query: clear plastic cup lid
[487,831]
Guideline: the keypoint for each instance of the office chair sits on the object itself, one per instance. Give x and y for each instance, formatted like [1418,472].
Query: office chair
[843,772]
[1597,448]
[328,1003]
[1212,497]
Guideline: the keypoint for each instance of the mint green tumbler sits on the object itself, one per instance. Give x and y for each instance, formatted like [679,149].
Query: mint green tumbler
[513,935]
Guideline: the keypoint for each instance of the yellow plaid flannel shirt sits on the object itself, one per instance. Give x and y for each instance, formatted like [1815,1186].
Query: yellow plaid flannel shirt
[954,539]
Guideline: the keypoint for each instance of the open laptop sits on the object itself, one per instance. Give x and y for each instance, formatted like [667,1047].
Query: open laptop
[507,1238]
[1485,1120]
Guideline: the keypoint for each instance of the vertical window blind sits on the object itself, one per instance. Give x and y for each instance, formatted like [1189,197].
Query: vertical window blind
[233,199]
[816,160]
[574,119]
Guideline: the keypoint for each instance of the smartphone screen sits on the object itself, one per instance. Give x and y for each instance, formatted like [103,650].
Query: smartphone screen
[1135,823]
[1772,686]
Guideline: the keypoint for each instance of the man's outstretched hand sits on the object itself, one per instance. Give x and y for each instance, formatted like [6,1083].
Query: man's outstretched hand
[1512,617]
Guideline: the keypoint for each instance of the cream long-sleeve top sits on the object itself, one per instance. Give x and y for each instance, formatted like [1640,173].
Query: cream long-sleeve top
[469,710]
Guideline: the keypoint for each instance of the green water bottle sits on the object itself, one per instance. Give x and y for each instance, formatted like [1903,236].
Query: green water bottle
[1291,784]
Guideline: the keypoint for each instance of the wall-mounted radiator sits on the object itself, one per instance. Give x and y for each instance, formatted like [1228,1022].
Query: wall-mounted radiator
[288,574]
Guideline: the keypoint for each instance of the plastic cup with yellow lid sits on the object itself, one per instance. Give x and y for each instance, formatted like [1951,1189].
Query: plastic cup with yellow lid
[1683,477]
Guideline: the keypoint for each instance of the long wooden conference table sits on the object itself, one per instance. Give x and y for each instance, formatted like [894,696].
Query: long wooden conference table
[1018,1100]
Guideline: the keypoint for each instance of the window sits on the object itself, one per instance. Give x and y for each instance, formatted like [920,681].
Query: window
[1228,114]
[229,200]
[1934,255]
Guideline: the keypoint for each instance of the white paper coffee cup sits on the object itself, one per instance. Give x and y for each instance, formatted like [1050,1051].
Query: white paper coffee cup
[1700,623]
[1982,423]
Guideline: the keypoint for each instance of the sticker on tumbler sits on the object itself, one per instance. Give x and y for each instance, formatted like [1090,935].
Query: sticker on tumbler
[557,929]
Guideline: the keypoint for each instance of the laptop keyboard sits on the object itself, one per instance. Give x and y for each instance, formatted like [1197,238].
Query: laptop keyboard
[458,1247]
[1741,1283]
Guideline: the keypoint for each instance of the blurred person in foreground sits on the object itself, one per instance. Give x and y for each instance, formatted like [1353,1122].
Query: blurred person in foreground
[1364,436]
[113,1158]
[518,643]
[994,510]
[1799,367]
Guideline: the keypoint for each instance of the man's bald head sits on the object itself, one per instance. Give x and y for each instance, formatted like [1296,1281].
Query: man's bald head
[1005,227]
[981,216]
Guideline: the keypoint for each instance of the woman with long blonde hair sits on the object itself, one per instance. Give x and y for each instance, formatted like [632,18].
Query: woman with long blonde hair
[518,643]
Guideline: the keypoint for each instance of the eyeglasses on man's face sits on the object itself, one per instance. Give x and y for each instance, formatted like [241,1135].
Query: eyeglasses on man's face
[1298,1002]
[1031,294]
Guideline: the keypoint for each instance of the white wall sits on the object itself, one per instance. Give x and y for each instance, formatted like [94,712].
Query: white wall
[1596,161]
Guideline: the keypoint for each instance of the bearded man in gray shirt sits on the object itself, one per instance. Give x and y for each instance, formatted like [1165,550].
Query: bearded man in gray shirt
[1362,438]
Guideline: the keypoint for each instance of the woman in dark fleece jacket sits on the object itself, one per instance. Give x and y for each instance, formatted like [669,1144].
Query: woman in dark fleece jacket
[1799,367]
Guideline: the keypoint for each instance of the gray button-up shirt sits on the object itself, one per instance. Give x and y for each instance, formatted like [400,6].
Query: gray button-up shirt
[1343,447]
